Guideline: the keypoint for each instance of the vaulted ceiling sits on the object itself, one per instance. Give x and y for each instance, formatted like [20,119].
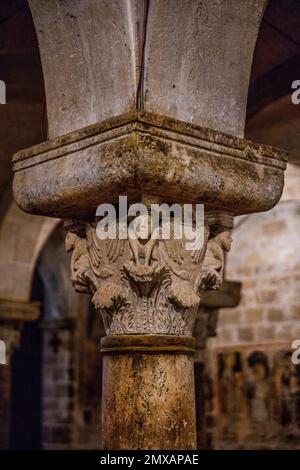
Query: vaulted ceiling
[20,69]
[276,61]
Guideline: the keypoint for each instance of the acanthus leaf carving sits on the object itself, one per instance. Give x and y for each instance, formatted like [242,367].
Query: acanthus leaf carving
[148,286]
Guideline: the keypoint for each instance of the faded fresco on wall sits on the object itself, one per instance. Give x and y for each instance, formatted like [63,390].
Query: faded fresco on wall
[257,399]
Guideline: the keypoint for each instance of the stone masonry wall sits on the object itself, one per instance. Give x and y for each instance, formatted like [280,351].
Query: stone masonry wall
[256,387]
[58,389]
[265,257]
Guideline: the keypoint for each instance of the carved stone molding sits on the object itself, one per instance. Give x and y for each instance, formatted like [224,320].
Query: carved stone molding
[141,151]
[15,310]
[151,286]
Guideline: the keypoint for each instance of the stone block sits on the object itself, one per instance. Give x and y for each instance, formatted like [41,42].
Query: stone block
[246,334]
[253,315]
[266,296]
[275,315]
[266,333]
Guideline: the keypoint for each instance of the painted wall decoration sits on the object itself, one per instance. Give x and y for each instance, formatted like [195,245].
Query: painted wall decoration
[257,398]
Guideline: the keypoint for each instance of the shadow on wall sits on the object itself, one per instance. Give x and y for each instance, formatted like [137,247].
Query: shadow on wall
[26,380]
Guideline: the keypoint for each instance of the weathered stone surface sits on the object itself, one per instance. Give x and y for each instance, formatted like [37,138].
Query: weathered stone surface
[149,286]
[187,60]
[142,153]
[149,386]
[199,45]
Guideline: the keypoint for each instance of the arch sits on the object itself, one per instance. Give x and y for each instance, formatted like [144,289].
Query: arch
[22,236]
[53,268]
[277,124]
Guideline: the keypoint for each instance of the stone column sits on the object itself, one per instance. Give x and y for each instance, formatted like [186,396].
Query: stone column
[148,293]
[148,399]
[12,316]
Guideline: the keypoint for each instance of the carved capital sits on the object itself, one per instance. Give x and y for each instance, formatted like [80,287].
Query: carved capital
[151,286]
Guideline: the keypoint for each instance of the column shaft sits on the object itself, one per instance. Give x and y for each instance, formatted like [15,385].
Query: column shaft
[148,395]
